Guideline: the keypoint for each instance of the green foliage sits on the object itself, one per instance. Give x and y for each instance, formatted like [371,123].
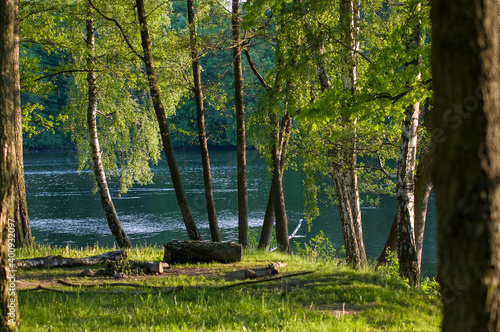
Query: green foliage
[319,248]
[431,287]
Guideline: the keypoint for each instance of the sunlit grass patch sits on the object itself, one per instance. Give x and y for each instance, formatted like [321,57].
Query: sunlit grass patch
[331,298]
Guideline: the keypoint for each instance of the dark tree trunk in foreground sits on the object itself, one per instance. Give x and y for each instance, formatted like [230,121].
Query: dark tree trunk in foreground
[163,124]
[114,222]
[9,309]
[466,169]
[240,127]
[207,175]
[23,229]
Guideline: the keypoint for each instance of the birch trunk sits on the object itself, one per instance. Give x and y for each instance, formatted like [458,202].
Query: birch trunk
[207,174]
[406,246]
[114,222]
[466,169]
[240,126]
[23,229]
[9,308]
[344,172]
[407,255]
[182,201]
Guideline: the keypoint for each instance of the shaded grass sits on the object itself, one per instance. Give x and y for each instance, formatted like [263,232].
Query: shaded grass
[373,301]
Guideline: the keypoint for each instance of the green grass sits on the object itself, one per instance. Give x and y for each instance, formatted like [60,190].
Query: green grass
[374,300]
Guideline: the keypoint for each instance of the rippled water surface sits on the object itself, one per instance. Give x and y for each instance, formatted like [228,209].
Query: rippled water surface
[63,207]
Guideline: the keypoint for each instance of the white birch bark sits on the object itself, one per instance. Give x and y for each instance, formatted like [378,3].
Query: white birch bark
[100,176]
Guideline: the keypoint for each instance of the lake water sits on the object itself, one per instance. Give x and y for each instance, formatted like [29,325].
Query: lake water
[63,208]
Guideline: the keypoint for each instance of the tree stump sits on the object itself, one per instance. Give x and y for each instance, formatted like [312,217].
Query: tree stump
[199,251]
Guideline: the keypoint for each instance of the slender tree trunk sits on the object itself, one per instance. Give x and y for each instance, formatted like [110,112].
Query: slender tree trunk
[390,245]
[9,309]
[114,222]
[423,188]
[407,254]
[406,248]
[353,255]
[267,227]
[280,138]
[240,127]
[23,229]
[277,188]
[466,169]
[344,172]
[207,176]
[163,124]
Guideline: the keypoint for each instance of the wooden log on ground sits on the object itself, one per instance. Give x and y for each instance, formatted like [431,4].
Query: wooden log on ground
[151,267]
[201,252]
[60,261]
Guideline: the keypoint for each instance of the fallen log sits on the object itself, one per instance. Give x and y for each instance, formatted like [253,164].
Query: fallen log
[150,267]
[201,252]
[60,261]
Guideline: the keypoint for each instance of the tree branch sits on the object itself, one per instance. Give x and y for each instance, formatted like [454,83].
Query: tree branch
[118,25]
[255,71]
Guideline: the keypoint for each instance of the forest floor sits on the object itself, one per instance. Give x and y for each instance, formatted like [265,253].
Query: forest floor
[311,293]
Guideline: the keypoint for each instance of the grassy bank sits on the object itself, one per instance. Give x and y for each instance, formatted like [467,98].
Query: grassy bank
[331,298]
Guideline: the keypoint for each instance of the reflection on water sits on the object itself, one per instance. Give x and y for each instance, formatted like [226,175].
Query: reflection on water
[63,207]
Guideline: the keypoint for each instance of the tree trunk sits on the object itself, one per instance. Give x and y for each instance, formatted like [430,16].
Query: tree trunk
[9,308]
[423,188]
[352,248]
[390,245]
[406,248]
[266,232]
[466,169]
[277,188]
[23,229]
[240,127]
[344,172]
[163,124]
[267,227]
[207,176]
[201,252]
[114,222]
